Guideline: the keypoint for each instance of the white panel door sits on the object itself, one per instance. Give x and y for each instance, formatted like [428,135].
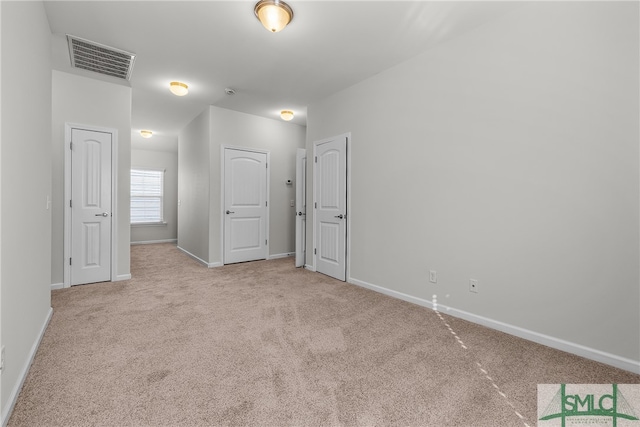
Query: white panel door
[330,163]
[245,206]
[90,207]
[301,206]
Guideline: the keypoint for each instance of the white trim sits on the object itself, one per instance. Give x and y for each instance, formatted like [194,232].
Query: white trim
[284,255]
[13,397]
[114,209]
[200,260]
[55,286]
[3,421]
[121,277]
[222,188]
[553,342]
[67,196]
[309,267]
[301,207]
[348,208]
[153,242]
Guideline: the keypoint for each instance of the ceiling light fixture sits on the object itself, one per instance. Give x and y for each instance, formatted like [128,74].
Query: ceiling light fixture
[286,115]
[178,88]
[273,14]
[146,133]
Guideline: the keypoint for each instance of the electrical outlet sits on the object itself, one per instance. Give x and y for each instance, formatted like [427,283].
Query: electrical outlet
[473,285]
[2,359]
[433,276]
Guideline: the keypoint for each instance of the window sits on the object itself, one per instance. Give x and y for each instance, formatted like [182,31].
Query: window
[147,191]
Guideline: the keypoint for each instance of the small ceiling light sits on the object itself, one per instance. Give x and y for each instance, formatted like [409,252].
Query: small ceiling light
[274,14]
[178,88]
[286,115]
[229,91]
[146,133]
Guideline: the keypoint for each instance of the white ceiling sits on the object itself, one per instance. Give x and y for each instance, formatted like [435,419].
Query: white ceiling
[211,45]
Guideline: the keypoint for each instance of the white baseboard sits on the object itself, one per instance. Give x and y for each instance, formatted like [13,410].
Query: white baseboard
[312,268]
[121,277]
[13,397]
[553,342]
[152,242]
[55,286]
[284,255]
[201,261]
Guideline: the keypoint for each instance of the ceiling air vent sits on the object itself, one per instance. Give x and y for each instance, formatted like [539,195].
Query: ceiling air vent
[99,58]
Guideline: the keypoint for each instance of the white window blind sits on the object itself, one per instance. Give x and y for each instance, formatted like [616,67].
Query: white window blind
[147,191]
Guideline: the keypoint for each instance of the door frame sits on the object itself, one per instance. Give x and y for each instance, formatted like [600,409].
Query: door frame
[224,147]
[67,197]
[301,206]
[347,261]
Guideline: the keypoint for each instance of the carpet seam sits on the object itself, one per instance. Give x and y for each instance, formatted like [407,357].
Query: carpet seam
[483,371]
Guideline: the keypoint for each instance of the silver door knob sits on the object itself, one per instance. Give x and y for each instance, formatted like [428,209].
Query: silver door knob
[339,216]
[229,212]
[105,214]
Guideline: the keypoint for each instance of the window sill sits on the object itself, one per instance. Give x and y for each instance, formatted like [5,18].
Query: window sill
[149,224]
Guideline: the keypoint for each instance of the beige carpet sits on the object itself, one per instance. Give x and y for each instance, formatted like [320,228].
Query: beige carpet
[265,344]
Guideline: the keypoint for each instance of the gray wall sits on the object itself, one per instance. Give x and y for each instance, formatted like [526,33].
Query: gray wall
[199,148]
[86,101]
[167,160]
[193,186]
[25,177]
[509,155]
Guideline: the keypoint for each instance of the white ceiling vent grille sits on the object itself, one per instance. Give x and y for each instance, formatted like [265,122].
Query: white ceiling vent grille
[99,58]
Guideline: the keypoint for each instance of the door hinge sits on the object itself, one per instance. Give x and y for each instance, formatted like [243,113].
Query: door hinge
[265,242]
[266,165]
[314,251]
[266,203]
[315,205]
[316,159]
[70,203]
[71,146]
[69,261]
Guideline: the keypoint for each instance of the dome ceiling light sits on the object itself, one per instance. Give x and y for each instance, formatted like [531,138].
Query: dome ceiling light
[178,88]
[273,14]
[146,133]
[286,115]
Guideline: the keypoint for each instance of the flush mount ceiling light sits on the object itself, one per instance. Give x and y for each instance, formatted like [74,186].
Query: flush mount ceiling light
[178,88]
[146,133]
[273,14]
[286,115]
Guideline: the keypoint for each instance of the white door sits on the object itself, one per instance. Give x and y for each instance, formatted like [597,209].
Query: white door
[245,205]
[90,207]
[301,206]
[330,165]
